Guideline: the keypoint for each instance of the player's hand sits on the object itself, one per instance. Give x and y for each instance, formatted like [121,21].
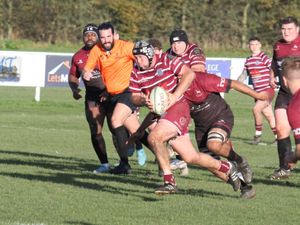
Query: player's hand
[87,75]
[273,82]
[135,136]
[263,96]
[76,94]
[103,96]
[172,99]
[148,102]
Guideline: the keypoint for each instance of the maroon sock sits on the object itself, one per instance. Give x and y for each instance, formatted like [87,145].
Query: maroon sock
[170,179]
[224,167]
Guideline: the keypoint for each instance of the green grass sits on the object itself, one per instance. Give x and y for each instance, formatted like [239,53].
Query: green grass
[46,160]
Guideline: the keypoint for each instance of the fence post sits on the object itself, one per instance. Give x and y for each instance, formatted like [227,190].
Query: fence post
[37,96]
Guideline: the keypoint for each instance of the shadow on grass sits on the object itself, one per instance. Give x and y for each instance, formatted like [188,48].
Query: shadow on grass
[79,223]
[74,172]
[249,141]
[282,183]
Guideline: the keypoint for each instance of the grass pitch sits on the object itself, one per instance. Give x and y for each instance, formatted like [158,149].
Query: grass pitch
[46,160]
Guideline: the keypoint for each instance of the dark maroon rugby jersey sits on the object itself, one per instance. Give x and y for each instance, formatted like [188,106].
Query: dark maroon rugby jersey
[95,86]
[193,55]
[282,50]
[293,112]
[163,74]
[203,85]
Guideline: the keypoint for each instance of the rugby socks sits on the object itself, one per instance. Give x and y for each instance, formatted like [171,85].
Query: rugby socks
[233,156]
[138,145]
[224,167]
[284,149]
[99,147]
[121,138]
[258,129]
[169,179]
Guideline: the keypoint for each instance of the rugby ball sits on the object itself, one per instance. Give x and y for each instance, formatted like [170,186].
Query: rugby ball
[160,100]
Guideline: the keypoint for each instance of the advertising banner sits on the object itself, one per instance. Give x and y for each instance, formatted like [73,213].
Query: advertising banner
[10,67]
[219,67]
[57,70]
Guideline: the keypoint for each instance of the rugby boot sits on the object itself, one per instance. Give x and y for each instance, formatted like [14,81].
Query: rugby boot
[247,192]
[256,140]
[280,174]
[181,165]
[122,168]
[234,179]
[245,170]
[103,168]
[166,189]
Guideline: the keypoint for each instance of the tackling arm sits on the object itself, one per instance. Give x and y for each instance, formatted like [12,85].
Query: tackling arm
[243,76]
[187,77]
[240,87]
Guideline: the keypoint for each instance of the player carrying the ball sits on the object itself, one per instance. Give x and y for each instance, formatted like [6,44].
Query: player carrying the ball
[163,70]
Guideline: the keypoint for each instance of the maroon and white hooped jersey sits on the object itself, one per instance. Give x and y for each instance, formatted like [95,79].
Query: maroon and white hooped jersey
[193,55]
[258,68]
[293,113]
[282,50]
[163,74]
[203,85]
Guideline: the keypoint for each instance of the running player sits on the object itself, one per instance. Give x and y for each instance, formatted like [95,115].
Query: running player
[164,70]
[291,78]
[258,68]
[289,45]
[95,110]
[194,57]
[114,58]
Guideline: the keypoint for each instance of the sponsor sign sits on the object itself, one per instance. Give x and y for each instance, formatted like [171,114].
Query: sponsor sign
[10,67]
[219,67]
[57,70]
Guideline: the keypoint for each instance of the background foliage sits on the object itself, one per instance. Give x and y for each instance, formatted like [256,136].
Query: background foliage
[215,24]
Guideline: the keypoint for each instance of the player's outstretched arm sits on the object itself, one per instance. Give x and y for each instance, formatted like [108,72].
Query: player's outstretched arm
[243,76]
[240,87]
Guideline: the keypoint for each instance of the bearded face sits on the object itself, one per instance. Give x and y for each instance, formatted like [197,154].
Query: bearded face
[107,39]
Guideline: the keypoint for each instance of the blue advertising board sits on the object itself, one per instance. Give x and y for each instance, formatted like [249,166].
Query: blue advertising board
[219,67]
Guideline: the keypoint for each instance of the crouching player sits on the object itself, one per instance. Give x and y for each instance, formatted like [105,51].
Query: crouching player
[291,79]
[163,70]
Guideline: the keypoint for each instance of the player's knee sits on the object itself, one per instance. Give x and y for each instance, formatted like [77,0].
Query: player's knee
[256,110]
[191,158]
[215,141]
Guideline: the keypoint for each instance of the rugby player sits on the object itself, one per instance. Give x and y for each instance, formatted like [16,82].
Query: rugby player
[163,70]
[291,79]
[288,46]
[95,110]
[114,59]
[258,68]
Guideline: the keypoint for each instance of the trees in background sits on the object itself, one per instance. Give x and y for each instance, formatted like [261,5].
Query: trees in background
[213,23]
